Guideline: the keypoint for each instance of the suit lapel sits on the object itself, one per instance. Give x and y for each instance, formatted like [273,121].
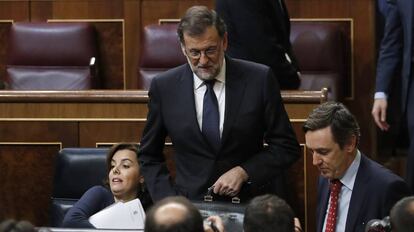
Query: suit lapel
[185,88]
[235,87]
[323,202]
[358,195]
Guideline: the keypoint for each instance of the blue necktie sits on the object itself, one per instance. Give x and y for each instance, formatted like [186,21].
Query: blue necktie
[211,118]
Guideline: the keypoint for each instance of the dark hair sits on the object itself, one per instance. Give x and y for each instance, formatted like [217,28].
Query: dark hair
[191,222]
[402,215]
[197,19]
[343,124]
[266,213]
[10,225]
[118,147]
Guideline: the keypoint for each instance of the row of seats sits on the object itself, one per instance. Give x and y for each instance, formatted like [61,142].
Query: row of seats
[320,47]
[58,55]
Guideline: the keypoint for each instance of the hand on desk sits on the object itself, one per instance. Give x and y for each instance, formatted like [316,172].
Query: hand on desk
[214,224]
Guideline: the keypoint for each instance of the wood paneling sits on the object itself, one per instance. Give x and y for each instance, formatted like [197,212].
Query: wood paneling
[27,176]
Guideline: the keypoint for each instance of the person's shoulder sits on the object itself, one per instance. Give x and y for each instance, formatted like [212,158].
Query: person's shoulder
[245,64]
[99,190]
[381,175]
[172,73]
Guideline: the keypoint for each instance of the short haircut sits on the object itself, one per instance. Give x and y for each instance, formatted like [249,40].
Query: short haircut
[191,221]
[197,19]
[342,122]
[266,213]
[402,215]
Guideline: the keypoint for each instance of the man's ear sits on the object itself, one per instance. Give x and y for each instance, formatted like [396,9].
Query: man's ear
[183,49]
[225,41]
[350,146]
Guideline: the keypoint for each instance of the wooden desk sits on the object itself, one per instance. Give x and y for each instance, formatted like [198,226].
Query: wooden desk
[34,125]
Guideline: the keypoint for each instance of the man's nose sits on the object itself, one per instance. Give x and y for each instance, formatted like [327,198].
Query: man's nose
[203,58]
[316,160]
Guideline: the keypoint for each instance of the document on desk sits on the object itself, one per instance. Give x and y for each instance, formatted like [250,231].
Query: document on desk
[129,215]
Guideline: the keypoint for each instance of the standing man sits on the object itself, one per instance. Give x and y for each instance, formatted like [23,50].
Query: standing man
[259,31]
[352,189]
[396,49]
[217,111]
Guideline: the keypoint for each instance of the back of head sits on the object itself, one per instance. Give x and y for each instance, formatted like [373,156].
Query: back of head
[11,225]
[268,213]
[402,215]
[174,214]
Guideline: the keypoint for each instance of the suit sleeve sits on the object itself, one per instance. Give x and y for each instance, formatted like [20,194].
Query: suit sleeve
[93,201]
[391,49]
[282,148]
[245,19]
[152,161]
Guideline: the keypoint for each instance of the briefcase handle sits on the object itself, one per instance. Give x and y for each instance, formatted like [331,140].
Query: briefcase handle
[209,196]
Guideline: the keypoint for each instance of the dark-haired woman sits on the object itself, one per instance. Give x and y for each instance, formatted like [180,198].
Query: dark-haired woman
[125,184]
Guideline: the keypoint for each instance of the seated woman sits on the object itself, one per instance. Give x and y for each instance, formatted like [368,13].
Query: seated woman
[125,183]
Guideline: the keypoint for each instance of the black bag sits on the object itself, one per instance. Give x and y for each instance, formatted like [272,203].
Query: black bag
[232,213]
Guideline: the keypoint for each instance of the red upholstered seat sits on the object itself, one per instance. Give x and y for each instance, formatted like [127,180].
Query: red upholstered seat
[320,50]
[160,51]
[51,56]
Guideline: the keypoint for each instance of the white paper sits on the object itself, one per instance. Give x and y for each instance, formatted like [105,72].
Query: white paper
[129,215]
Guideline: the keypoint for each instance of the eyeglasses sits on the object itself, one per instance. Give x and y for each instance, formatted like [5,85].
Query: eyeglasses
[195,54]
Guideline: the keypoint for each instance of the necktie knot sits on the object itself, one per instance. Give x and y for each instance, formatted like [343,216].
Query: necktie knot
[210,83]
[335,185]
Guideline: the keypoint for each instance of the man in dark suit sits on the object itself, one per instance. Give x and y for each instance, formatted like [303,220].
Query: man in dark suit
[217,111]
[352,189]
[259,31]
[397,49]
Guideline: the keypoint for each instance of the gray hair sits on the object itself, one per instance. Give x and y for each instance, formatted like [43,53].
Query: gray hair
[197,19]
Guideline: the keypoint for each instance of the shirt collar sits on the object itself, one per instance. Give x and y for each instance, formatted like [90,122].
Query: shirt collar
[221,77]
[348,180]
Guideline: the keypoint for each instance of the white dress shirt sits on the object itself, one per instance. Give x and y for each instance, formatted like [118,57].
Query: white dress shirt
[219,90]
[348,181]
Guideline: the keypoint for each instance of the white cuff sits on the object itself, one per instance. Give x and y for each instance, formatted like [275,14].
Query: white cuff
[380,95]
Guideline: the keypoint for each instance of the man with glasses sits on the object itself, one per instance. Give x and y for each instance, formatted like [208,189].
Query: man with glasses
[217,111]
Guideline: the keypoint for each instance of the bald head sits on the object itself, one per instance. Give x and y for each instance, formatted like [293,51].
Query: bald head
[402,215]
[174,214]
[170,214]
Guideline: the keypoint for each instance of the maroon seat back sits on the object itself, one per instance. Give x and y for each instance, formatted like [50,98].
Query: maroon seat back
[320,48]
[160,51]
[52,56]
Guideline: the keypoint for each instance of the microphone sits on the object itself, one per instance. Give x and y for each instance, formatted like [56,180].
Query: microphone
[378,225]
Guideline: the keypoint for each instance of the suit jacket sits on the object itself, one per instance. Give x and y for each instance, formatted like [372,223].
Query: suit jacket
[376,189]
[253,113]
[259,31]
[396,47]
